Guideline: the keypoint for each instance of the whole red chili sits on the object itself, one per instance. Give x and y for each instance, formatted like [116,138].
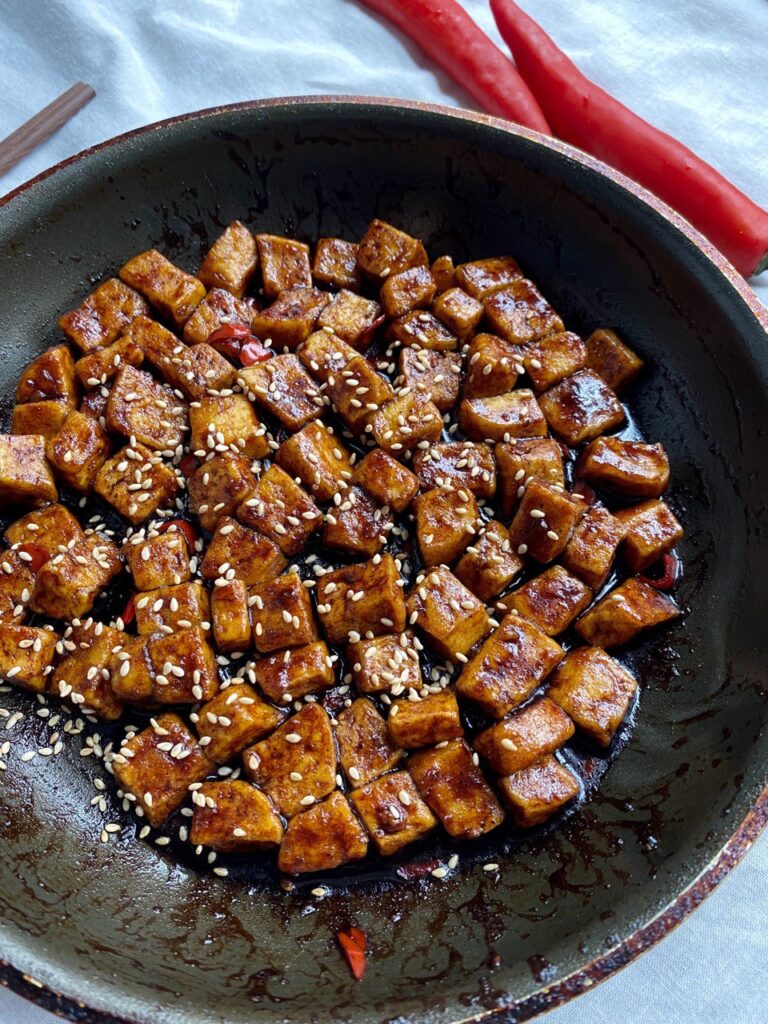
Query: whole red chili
[38,556]
[366,337]
[184,527]
[129,612]
[228,339]
[354,943]
[254,352]
[586,493]
[670,573]
[188,464]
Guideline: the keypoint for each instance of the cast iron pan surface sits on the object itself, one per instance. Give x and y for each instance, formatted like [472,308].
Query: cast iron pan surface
[130,932]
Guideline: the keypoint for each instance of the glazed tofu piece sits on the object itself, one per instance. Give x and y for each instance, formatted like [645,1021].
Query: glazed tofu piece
[501,417]
[581,407]
[170,290]
[535,793]
[409,289]
[652,530]
[141,407]
[446,522]
[493,366]
[282,614]
[407,420]
[16,584]
[291,318]
[67,585]
[131,676]
[520,313]
[335,264]
[392,812]
[325,355]
[551,600]
[590,552]
[525,736]
[232,816]
[385,250]
[116,482]
[444,273]
[612,359]
[237,553]
[357,394]
[51,529]
[230,618]
[459,312]
[184,667]
[489,564]
[387,481]
[25,476]
[102,365]
[296,765]
[234,719]
[482,278]
[82,676]
[381,609]
[158,765]
[281,510]
[366,749]
[385,664]
[219,486]
[170,608]
[103,316]
[291,675]
[509,666]
[227,422]
[231,260]
[422,330]
[198,371]
[41,418]
[50,377]
[284,264]
[351,317]
[158,345]
[94,403]
[437,375]
[549,360]
[594,690]
[535,458]
[449,616]
[26,655]
[625,612]
[632,468]
[357,526]
[218,308]
[78,451]
[455,789]
[317,457]
[284,388]
[544,521]
[322,838]
[425,722]
[461,464]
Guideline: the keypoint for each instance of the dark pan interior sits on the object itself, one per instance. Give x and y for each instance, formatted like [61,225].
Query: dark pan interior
[124,928]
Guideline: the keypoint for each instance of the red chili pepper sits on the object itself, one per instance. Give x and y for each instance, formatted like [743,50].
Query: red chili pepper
[353,943]
[129,612]
[587,116]
[188,464]
[254,352]
[228,339]
[366,337]
[670,573]
[37,554]
[189,532]
[418,869]
[588,496]
[447,34]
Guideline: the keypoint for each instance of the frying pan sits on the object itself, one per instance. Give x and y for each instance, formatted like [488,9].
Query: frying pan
[126,931]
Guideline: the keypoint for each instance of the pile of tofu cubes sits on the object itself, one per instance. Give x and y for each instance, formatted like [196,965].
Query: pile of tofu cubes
[346,486]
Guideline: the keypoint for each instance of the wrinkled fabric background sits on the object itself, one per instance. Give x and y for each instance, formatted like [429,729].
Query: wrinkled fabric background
[697,68]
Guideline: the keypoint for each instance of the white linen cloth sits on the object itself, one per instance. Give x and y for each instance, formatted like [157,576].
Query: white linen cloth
[697,68]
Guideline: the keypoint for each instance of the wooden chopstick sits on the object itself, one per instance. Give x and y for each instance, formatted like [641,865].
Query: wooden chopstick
[34,132]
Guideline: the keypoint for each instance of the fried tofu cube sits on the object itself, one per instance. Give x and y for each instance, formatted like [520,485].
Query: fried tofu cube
[232,816]
[624,612]
[172,291]
[103,365]
[489,564]
[357,526]
[103,316]
[325,355]
[437,375]
[335,264]
[366,749]
[501,417]
[408,289]
[482,278]
[357,394]
[41,418]
[385,250]
[322,838]
[296,765]
[116,483]
[444,273]
[455,789]
[284,264]
[169,608]
[521,314]
[612,359]
[405,421]
[652,530]
[130,673]
[158,345]
[535,793]
[581,407]
[184,666]
[50,377]
[291,675]
[544,521]
[461,464]
[424,722]
[446,522]
[284,388]
[525,736]
[422,330]
[282,614]
[16,584]
[450,616]
[459,312]
[234,719]
[590,552]
[493,366]
[535,458]
[230,617]
[381,609]
[26,655]
[291,318]
[509,666]
[198,371]
[393,813]
[594,690]
[387,481]
[228,420]
[551,600]
[159,765]
[317,457]
[94,403]
[551,359]
[351,317]
[51,529]
[218,308]
[385,664]
[83,677]
[141,407]
[67,585]
[237,552]
[281,510]
[25,476]
[633,468]
[78,451]
[231,260]
[219,486]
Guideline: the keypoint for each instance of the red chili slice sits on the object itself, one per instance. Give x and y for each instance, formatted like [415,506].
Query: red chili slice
[365,339]
[254,352]
[670,573]
[353,943]
[588,496]
[38,556]
[418,869]
[129,612]
[228,339]
[188,464]
[191,535]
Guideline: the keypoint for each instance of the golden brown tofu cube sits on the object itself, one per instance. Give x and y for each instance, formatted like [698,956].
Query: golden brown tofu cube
[581,407]
[524,737]
[158,345]
[290,675]
[141,407]
[624,612]
[198,371]
[67,585]
[230,617]
[633,468]
[291,318]
[385,250]
[521,314]
[405,421]
[652,530]
[232,816]
[455,790]
[16,584]
[296,765]
[450,616]
[169,608]
[493,366]
[184,666]
[534,458]
[78,451]
[551,359]
[357,526]
[103,316]
[284,264]
[551,600]
[501,417]
[422,330]
[387,481]
[509,666]
[482,278]
[590,552]
[170,290]
[335,264]
[381,609]
[437,375]
[233,720]
[158,765]
[595,690]
[446,522]
[609,357]
[94,403]
[282,614]
[103,365]
[25,476]
[351,318]
[322,838]
[444,273]
[317,457]
[231,260]
[535,793]
[41,418]
[50,377]
[161,561]
[489,564]
[409,289]
[51,529]
[218,309]
[544,521]
[357,393]
[26,655]
[385,664]
[83,676]
[461,464]
[365,747]
[235,552]
[393,812]
[424,722]
[130,673]
[219,486]
[284,388]
[325,355]
[116,482]
[281,510]
[459,312]
[228,421]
